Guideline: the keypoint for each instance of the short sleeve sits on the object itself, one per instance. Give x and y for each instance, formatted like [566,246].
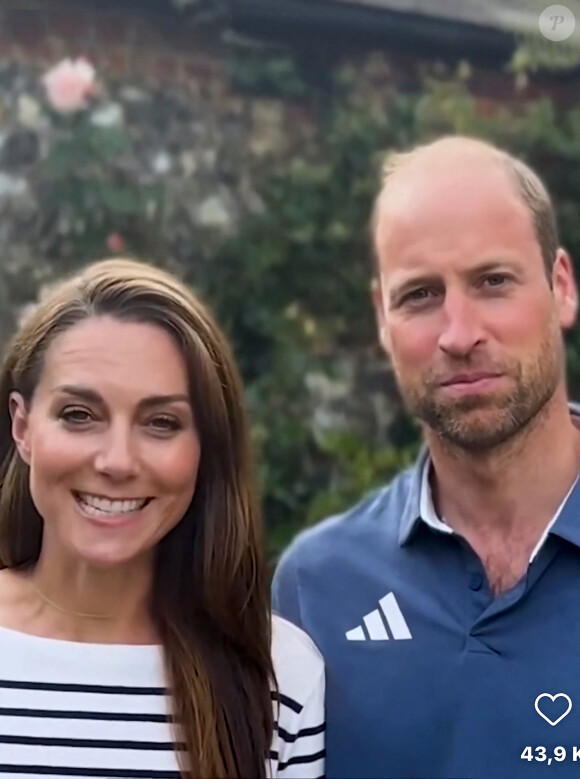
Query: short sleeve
[298,749]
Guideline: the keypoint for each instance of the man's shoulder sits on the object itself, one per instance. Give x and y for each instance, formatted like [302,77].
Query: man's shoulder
[378,512]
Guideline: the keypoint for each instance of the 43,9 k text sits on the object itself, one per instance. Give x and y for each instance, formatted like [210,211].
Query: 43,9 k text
[555,755]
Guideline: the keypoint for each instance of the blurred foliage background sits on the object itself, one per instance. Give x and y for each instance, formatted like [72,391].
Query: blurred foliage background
[305,266]
[291,285]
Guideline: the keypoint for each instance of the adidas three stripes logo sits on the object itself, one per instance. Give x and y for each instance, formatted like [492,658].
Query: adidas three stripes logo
[387,616]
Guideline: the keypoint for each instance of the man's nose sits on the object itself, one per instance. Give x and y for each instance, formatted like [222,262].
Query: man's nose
[462,328]
[116,457]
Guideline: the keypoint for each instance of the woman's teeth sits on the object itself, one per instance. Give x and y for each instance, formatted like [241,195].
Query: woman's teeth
[103,506]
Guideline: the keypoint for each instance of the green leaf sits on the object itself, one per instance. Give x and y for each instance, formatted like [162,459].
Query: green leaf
[108,142]
[120,199]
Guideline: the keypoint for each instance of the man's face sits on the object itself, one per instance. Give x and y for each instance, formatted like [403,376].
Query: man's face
[465,309]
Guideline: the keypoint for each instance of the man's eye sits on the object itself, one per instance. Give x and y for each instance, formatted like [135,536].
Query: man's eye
[75,416]
[417,295]
[495,279]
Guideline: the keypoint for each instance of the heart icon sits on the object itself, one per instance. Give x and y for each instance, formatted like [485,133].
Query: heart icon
[553,698]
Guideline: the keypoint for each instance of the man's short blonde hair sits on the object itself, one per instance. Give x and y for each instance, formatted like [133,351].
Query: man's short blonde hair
[529,186]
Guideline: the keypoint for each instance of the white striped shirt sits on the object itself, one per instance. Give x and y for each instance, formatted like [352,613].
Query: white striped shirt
[71,709]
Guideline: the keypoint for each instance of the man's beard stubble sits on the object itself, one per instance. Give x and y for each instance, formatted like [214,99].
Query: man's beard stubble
[504,416]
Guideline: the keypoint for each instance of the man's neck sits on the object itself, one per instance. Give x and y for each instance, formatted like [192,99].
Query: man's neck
[501,502]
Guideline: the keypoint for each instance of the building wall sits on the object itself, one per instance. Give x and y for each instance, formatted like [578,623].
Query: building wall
[195,133]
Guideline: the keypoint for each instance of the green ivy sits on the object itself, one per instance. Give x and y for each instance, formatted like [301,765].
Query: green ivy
[291,288]
[83,179]
[293,285]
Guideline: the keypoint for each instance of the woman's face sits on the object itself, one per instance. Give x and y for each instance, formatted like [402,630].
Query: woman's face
[110,439]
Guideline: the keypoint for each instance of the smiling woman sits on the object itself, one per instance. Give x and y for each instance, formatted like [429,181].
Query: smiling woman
[135,629]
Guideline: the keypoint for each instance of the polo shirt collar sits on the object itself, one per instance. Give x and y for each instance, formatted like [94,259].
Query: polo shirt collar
[411,516]
[566,524]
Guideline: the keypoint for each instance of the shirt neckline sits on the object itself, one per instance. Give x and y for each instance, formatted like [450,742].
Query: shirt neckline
[429,516]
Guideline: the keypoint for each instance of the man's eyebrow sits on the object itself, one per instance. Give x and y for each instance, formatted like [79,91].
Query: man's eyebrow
[424,279]
[92,396]
[494,264]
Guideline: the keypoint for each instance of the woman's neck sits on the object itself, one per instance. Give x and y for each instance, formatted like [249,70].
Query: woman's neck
[71,600]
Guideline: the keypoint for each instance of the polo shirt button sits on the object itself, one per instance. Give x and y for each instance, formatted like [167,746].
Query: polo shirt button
[475,581]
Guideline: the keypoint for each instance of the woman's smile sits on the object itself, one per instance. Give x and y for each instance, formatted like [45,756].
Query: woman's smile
[111,510]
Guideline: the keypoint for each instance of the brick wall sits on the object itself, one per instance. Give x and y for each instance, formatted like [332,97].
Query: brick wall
[159,45]
[132,38]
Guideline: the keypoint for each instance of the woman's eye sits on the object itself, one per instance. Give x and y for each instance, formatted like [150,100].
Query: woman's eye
[75,416]
[165,424]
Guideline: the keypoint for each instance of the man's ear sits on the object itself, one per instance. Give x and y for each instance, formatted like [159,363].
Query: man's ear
[379,306]
[20,425]
[565,289]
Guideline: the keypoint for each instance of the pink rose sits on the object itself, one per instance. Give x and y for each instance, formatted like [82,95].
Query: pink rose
[70,84]
[116,243]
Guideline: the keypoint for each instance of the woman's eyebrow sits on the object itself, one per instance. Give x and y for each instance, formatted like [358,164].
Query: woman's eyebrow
[92,396]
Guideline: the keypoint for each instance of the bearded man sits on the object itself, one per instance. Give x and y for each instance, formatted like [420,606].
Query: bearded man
[447,604]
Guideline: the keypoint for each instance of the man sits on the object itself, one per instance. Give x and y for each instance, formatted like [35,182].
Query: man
[447,605]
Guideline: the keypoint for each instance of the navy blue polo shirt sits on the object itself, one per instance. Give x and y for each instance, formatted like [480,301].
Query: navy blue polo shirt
[429,676]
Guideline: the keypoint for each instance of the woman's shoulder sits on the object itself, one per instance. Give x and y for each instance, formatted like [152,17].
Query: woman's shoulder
[290,640]
[298,742]
[298,663]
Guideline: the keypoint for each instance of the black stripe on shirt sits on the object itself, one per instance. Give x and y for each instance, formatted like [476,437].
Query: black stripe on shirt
[286,701]
[105,689]
[96,715]
[291,737]
[125,773]
[39,741]
[301,759]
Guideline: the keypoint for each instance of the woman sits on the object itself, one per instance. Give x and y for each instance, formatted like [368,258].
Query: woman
[135,632]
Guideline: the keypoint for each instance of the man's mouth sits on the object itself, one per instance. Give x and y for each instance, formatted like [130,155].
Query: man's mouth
[469,378]
[100,506]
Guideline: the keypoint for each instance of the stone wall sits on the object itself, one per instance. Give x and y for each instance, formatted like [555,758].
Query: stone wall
[193,135]
[171,73]
[205,142]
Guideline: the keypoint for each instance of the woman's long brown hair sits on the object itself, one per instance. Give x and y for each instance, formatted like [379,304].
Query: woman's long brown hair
[210,598]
